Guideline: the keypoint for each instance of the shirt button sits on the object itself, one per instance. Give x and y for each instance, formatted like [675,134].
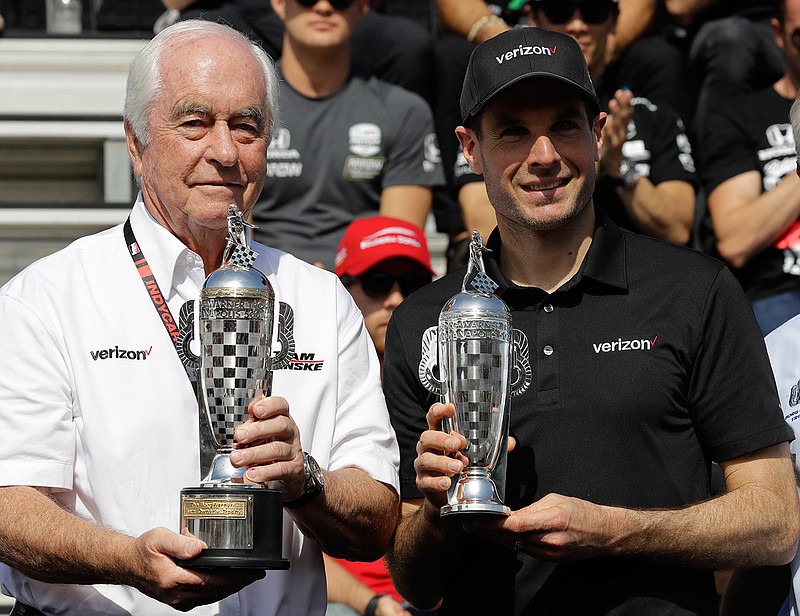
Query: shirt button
[548,308]
[548,350]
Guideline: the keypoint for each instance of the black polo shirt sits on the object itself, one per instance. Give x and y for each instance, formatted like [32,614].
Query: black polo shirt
[630,379]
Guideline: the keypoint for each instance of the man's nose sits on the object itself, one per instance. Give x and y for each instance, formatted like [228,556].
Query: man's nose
[221,145]
[543,152]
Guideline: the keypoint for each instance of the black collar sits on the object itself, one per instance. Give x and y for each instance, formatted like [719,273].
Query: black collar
[604,264]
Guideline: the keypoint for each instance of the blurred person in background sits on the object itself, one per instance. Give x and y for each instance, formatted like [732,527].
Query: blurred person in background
[381,261]
[348,144]
[748,165]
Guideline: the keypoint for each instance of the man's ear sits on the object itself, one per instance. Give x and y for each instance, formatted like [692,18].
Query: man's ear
[279,6]
[597,130]
[469,144]
[134,149]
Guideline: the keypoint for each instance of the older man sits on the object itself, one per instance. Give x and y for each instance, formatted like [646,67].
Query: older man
[637,364]
[99,442]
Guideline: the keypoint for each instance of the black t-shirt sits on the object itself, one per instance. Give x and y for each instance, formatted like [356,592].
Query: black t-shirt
[629,380]
[753,133]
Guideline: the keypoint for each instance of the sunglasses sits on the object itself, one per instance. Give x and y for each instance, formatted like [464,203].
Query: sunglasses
[796,38]
[379,284]
[339,5]
[560,12]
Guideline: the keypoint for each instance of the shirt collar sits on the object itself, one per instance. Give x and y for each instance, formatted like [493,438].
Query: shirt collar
[604,262]
[165,253]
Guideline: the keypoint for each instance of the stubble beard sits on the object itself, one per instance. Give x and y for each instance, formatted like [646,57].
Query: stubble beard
[506,206]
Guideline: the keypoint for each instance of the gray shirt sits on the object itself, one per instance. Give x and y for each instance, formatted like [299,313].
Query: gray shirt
[331,157]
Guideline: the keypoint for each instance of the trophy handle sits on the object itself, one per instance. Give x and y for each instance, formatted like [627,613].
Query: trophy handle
[186,335]
[282,358]
[429,362]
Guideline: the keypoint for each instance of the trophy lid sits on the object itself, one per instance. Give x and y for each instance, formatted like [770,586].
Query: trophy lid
[237,278]
[470,301]
[237,274]
[480,298]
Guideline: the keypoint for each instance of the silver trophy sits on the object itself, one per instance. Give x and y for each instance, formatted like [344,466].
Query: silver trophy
[475,342]
[240,523]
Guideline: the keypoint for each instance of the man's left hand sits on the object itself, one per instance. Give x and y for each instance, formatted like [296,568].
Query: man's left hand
[555,528]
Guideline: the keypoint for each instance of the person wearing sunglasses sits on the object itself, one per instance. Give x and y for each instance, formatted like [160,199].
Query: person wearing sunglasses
[381,261]
[637,363]
[349,145]
[748,163]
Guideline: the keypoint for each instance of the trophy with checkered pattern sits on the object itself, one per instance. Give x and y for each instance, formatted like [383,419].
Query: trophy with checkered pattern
[241,523]
[475,342]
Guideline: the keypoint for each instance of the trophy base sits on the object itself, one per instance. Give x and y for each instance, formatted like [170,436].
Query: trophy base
[474,493]
[207,560]
[475,509]
[242,525]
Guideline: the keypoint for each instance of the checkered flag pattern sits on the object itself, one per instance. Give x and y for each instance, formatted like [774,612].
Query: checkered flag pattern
[483,284]
[243,256]
[478,384]
[234,371]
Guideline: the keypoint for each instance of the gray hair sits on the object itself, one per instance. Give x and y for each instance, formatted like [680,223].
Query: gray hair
[794,118]
[144,77]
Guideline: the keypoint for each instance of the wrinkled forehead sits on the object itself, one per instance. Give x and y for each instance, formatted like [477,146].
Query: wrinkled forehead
[215,72]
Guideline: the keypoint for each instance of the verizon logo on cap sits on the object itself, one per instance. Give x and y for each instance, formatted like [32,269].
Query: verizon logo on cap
[526,50]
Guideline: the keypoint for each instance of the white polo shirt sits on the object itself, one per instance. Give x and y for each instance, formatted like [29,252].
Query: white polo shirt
[783,345]
[95,404]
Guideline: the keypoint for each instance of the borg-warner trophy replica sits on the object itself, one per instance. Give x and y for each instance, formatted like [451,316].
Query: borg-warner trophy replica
[240,523]
[475,342]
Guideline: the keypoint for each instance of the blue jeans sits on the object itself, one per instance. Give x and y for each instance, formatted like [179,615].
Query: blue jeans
[772,312]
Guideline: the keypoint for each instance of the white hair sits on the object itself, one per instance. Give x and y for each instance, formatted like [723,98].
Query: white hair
[144,76]
[794,118]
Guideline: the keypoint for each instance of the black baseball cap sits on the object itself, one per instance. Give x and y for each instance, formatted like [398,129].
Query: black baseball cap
[522,53]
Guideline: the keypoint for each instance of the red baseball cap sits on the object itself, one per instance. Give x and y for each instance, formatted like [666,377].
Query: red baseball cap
[373,239]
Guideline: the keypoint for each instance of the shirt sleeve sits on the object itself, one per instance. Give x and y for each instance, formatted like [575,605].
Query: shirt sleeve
[670,148]
[726,149]
[732,395]
[414,158]
[363,435]
[36,422]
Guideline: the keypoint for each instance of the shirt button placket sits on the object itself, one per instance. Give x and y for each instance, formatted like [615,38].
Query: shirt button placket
[547,365]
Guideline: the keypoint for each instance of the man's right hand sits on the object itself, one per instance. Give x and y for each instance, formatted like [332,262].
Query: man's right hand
[156,574]
[434,464]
